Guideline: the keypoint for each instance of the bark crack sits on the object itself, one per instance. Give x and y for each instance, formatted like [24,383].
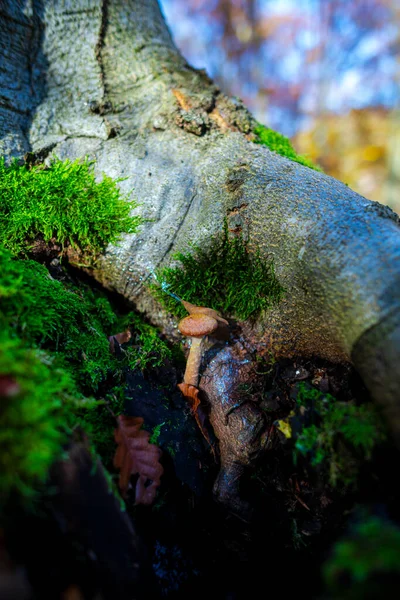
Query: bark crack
[81,136]
[4,103]
[33,45]
[170,245]
[100,45]
[177,230]
[16,21]
[80,11]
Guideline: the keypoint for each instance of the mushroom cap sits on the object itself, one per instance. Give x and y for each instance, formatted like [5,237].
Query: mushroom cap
[193,309]
[197,325]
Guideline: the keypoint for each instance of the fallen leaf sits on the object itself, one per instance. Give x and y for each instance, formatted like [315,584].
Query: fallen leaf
[136,456]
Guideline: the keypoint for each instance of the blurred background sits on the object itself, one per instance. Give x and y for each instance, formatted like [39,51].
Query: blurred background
[326,73]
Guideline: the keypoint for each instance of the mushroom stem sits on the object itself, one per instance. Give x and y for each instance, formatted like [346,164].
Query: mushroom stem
[193,362]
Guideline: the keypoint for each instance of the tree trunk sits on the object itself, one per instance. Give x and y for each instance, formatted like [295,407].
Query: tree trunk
[104,79]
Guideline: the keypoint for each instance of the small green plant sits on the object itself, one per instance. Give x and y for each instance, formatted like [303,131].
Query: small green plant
[281,145]
[171,450]
[155,436]
[228,278]
[370,550]
[338,435]
[64,202]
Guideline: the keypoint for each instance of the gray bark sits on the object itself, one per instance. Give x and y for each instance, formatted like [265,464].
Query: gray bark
[84,77]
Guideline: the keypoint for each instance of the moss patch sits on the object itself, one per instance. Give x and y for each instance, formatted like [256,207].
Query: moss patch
[55,348]
[360,561]
[33,394]
[73,321]
[65,319]
[281,145]
[56,367]
[63,202]
[337,436]
[228,277]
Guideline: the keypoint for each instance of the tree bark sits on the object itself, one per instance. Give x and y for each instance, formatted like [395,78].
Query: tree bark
[103,79]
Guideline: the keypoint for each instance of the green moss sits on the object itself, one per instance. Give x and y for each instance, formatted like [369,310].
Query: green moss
[62,201]
[54,335]
[372,550]
[55,340]
[228,277]
[339,436]
[67,320]
[73,321]
[281,145]
[146,349]
[97,420]
[31,416]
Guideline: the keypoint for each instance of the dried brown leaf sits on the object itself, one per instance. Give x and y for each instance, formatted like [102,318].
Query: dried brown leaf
[136,456]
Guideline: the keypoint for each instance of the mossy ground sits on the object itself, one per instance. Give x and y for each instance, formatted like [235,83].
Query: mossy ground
[281,145]
[228,278]
[58,333]
[336,436]
[34,392]
[55,362]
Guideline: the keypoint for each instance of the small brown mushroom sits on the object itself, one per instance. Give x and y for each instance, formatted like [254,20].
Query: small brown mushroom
[210,312]
[196,326]
[202,321]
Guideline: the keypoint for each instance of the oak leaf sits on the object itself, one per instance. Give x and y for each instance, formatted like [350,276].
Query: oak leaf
[136,456]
